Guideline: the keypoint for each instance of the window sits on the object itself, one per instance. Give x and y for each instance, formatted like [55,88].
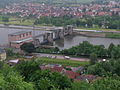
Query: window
[23,35]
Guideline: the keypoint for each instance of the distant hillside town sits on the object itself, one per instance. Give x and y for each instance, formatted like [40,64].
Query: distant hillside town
[39,10]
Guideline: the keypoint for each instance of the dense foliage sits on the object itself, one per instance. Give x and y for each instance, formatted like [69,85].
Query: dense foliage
[85,49]
[11,80]
[46,80]
[27,47]
[43,80]
[47,50]
[105,68]
[111,22]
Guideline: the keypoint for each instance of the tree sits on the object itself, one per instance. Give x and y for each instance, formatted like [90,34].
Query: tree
[27,68]
[9,52]
[108,83]
[115,52]
[45,80]
[27,47]
[110,48]
[80,86]
[11,80]
[93,58]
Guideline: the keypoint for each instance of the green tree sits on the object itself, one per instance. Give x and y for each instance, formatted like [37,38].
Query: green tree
[93,58]
[110,48]
[27,47]
[106,84]
[80,86]
[9,52]
[115,52]
[27,68]
[11,80]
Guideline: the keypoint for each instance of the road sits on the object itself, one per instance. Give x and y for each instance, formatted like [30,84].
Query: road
[59,57]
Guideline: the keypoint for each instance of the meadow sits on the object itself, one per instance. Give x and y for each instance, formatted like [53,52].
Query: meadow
[64,62]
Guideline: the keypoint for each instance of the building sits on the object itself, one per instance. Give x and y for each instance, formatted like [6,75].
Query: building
[2,55]
[13,62]
[60,69]
[18,38]
[70,74]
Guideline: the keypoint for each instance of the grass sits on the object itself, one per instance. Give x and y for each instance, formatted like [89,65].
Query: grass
[98,29]
[113,35]
[18,21]
[62,62]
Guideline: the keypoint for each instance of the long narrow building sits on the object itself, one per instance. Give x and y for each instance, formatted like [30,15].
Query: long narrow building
[18,38]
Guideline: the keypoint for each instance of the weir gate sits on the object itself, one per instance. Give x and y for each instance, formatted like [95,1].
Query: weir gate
[52,35]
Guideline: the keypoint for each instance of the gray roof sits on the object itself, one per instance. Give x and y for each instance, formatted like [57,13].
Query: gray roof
[18,33]
[2,51]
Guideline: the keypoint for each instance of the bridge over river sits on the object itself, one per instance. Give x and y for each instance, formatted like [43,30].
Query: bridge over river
[52,35]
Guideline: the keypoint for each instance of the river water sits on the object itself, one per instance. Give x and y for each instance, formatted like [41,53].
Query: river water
[65,43]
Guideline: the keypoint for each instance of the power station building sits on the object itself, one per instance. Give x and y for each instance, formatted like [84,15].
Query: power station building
[18,38]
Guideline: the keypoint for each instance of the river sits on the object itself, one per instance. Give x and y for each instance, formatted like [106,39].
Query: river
[65,43]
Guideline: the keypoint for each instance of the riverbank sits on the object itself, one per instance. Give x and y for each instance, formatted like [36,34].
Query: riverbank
[27,27]
[83,32]
[92,34]
[99,33]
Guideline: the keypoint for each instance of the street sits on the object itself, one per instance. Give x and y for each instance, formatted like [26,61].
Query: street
[60,57]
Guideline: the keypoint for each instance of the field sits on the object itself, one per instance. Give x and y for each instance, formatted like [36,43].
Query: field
[62,62]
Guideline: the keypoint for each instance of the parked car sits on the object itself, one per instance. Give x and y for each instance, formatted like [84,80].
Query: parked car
[66,57]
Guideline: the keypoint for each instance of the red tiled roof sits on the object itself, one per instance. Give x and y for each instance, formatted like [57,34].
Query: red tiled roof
[53,69]
[71,74]
[56,69]
[89,76]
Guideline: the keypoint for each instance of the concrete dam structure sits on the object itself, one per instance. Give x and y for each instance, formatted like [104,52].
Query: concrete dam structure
[18,38]
[53,35]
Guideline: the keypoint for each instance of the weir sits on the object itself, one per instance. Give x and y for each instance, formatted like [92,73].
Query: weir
[49,37]
[18,38]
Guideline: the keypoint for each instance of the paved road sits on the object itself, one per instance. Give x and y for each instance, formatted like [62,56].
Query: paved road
[60,57]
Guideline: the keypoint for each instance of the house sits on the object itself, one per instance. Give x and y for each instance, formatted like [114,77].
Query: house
[18,38]
[70,74]
[88,78]
[13,62]
[2,55]
[52,67]
[59,68]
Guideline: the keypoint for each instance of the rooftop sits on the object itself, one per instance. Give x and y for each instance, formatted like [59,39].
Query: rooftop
[18,33]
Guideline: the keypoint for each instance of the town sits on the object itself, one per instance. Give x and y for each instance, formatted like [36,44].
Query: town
[59,45]
[39,10]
